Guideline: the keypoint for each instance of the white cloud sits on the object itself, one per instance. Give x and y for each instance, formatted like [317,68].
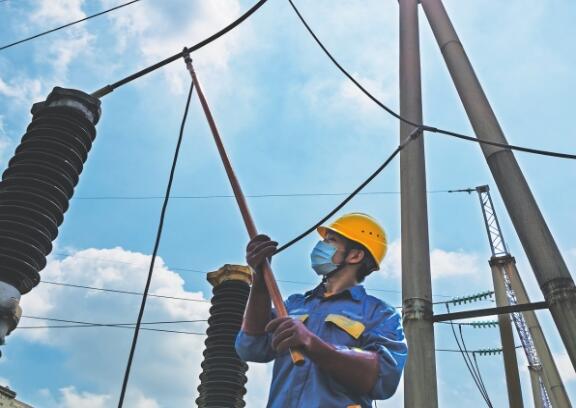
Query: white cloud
[166,366]
[71,398]
[5,142]
[4,382]
[157,31]
[64,47]
[259,379]
[57,11]
[22,90]
[447,264]
[443,264]
[374,65]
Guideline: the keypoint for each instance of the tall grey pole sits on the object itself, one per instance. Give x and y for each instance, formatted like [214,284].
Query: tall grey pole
[550,269]
[507,337]
[535,381]
[420,389]
[550,375]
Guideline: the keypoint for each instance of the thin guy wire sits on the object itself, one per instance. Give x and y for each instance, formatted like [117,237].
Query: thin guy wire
[422,126]
[123,292]
[155,251]
[201,197]
[66,25]
[82,324]
[110,88]
[451,297]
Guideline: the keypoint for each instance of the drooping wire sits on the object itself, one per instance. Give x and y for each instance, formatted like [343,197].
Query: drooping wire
[468,364]
[155,251]
[475,366]
[401,146]
[66,25]
[422,126]
[109,88]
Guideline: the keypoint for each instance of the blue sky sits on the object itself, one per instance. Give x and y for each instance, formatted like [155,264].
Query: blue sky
[292,124]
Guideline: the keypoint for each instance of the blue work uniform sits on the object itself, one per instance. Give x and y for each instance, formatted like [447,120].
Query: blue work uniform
[351,319]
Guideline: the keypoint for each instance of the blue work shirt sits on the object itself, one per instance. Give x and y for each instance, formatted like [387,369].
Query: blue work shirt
[351,319]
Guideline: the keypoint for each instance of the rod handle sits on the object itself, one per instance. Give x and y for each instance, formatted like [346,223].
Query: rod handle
[297,357]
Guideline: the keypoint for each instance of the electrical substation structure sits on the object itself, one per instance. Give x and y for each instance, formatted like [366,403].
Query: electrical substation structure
[41,176]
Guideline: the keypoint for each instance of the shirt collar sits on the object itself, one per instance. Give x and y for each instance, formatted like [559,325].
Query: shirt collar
[356,293]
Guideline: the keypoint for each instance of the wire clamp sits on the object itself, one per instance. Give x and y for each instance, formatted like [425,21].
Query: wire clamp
[187,59]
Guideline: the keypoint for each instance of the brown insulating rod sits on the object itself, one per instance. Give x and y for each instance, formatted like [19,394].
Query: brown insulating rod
[271,285]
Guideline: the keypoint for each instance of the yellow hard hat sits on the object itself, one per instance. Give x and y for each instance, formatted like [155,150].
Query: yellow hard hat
[363,229]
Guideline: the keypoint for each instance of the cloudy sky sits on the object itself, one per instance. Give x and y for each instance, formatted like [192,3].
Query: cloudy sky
[293,125]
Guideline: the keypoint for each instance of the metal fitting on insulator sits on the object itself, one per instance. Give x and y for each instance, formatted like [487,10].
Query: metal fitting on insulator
[36,189]
[223,373]
[10,310]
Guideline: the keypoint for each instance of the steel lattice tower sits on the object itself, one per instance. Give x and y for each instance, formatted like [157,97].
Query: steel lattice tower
[551,392]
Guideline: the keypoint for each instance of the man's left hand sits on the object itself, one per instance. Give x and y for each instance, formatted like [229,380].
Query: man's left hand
[288,332]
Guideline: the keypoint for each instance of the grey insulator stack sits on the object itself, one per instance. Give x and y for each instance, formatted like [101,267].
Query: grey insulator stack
[223,373]
[36,189]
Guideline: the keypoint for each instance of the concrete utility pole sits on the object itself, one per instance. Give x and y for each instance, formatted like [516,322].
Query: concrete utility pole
[549,372]
[420,389]
[508,346]
[550,269]
[510,291]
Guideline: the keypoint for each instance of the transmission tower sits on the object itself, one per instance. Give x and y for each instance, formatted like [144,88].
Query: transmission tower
[547,386]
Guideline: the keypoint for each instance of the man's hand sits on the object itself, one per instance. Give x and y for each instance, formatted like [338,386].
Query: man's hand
[259,248]
[288,332]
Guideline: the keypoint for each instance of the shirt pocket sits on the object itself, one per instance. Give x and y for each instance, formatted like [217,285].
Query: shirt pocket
[300,314]
[347,331]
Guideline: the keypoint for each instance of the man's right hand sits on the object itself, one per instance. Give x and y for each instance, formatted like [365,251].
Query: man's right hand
[259,248]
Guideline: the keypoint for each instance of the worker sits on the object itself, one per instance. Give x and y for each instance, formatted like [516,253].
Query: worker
[353,343]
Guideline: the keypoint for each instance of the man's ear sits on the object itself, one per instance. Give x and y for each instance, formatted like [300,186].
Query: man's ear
[355,256]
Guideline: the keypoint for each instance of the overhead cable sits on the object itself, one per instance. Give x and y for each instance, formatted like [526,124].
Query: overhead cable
[418,125]
[67,25]
[76,323]
[401,146]
[469,365]
[127,292]
[155,250]
[110,88]
[123,292]
[182,269]
[201,197]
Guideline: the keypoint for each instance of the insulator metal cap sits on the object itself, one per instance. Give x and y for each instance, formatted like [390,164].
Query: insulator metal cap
[72,98]
[230,273]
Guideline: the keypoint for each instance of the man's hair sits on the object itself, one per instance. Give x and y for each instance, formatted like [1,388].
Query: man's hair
[367,265]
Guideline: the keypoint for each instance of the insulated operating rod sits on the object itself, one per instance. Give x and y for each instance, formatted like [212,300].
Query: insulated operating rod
[269,279]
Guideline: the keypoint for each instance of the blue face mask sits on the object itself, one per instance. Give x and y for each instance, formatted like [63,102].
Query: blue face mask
[321,258]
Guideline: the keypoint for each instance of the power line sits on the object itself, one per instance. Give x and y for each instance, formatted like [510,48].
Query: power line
[79,324]
[469,365]
[156,246]
[67,25]
[182,269]
[75,324]
[418,125]
[92,324]
[110,88]
[124,292]
[201,197]
[401,146]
